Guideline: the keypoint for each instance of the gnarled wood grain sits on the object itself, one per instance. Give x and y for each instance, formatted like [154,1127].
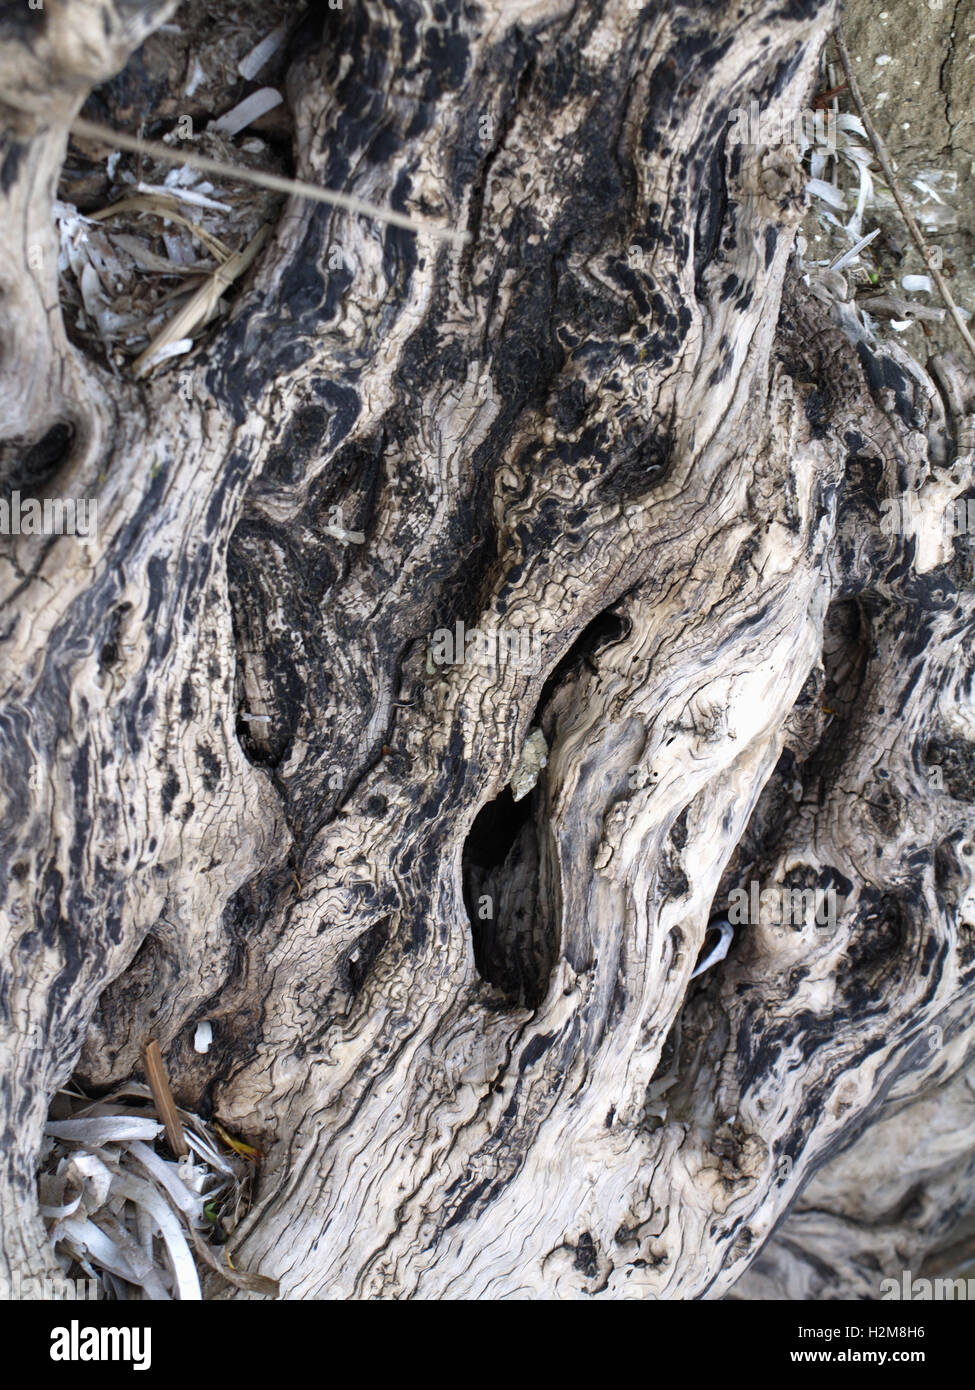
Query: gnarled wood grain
[592,425]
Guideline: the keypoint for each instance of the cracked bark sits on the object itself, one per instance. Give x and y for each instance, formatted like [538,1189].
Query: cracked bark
[594,424]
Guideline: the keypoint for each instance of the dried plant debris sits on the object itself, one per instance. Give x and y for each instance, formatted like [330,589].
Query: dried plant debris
[855,252]
[534,756]
[121,1211]
[149,250]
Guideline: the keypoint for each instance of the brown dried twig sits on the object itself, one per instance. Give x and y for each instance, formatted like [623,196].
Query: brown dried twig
[163,1096]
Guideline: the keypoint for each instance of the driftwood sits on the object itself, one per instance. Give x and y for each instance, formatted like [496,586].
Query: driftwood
[462,1027]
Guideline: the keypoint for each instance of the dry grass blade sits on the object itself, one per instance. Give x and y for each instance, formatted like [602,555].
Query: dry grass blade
[147,260]
[253,1283]
[93,130]
[200,308]
[163,1096]
[167,208]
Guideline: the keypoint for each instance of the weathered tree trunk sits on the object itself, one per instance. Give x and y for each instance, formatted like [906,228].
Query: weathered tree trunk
[463,1027]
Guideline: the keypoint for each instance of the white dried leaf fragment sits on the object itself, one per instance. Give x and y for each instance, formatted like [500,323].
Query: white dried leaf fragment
[197,75]
[109,1129]
[250,65]
[720,950]
[534,756]
[165,352]
[339,533]
[251,109]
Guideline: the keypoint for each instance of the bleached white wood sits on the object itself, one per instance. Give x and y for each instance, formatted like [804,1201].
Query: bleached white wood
[238,788]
